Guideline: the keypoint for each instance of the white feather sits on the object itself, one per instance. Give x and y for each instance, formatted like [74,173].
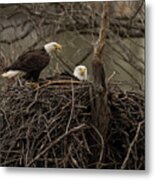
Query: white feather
[77,74]
[11,73]
[52,46]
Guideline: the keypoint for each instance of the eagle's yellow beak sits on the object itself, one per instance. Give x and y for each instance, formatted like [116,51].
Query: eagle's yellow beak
[82,71]
[58,47]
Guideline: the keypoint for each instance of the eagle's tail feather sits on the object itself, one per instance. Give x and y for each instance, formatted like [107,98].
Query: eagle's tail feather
[10,74]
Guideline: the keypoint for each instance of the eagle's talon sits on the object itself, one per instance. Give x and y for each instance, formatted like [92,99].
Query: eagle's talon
[34,85]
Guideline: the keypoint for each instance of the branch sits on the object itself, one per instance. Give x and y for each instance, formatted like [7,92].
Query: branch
[103,31]
[100,112]
[97,66]
[131,145]
[73,130]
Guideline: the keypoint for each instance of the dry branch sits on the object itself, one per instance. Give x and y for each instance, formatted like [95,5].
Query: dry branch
[131,145]
[101,111]
[98,49]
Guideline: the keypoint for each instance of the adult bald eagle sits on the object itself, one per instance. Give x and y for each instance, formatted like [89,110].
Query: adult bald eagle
[32,62]
[80,72]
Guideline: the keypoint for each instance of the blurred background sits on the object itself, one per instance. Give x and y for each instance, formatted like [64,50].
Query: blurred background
[76,26]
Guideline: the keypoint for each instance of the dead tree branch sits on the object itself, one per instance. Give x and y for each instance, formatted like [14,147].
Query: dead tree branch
[103,31]
[101,110]
[131,145]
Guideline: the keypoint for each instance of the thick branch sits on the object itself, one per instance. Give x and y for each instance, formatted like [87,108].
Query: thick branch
[101,110]
[103,31]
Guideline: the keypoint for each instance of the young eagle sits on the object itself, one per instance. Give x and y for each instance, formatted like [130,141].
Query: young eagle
[32,62]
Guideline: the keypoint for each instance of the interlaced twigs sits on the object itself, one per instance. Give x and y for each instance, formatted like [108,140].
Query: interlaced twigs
[126,125]
[40,117]
[53,127]
[56,141]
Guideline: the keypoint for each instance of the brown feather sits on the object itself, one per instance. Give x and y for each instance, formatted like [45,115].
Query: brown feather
[31,63]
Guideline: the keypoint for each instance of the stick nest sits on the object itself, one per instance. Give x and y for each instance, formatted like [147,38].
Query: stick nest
[53,127]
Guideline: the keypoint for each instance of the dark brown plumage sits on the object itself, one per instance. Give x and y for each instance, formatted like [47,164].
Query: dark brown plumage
[2,62]
[31,63]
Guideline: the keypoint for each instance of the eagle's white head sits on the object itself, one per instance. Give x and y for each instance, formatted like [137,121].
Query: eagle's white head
[52,47]
[80,72]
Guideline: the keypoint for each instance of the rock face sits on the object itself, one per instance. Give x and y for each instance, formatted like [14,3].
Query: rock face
[76,27]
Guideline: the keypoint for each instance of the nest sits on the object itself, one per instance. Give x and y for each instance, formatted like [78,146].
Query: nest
[53,127]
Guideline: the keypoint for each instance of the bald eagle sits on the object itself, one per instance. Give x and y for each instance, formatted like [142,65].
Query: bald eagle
[80,72]
[32,62]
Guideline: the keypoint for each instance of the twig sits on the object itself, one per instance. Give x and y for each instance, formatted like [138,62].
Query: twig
[81,126]
[70,69]
[131,145]
[5,117]
[111,76]
[85,56]
[98,165]
[60,82]
[72,108]
[103,31]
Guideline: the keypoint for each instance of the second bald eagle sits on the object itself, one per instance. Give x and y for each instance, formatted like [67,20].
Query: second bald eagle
[32,62]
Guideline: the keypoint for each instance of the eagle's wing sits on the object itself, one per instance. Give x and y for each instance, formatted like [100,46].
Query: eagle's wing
[30,61]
